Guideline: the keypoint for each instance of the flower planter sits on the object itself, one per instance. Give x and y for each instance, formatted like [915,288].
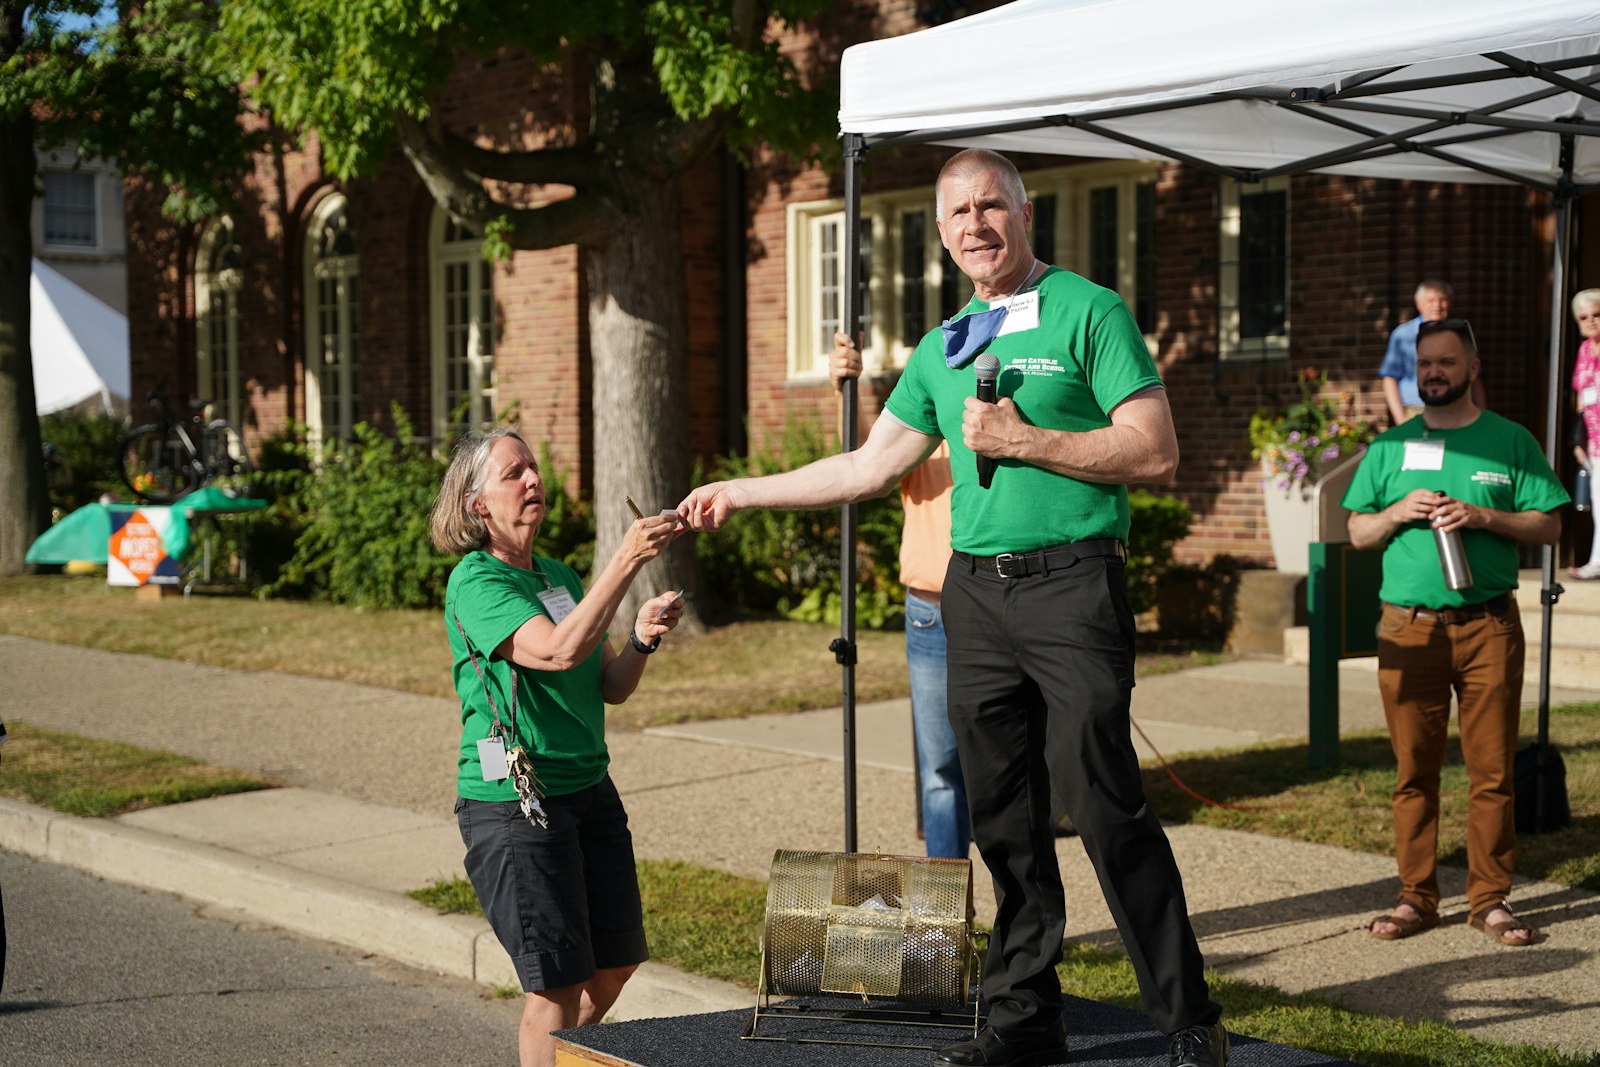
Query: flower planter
[1301,514]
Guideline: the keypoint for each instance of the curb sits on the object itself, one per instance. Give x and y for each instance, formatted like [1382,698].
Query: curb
[318,906]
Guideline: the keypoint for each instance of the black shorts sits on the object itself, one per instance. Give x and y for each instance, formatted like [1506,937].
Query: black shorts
[564,901]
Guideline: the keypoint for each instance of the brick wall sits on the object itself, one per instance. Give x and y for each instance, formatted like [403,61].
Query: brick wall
[1358,247]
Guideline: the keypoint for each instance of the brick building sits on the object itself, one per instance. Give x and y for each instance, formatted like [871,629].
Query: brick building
[325,302]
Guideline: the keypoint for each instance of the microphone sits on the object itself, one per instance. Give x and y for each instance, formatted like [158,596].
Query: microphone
[987,369]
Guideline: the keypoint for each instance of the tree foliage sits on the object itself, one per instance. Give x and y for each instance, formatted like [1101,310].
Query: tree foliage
[147,89]
[352,71]
[648,90]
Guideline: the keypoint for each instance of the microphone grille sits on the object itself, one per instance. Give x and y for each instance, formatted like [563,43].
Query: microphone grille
[987,366]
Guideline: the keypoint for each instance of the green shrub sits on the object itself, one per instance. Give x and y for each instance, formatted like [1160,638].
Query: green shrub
[81,458]
[788,561]
[365,536]
[1159,522]
[283,470]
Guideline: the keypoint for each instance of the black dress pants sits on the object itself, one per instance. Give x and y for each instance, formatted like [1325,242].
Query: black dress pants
[1041,672]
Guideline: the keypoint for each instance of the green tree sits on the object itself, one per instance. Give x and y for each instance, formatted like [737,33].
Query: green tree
[661,84]
[143,88]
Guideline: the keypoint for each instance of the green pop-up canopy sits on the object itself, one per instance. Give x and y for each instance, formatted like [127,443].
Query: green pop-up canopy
[85,533]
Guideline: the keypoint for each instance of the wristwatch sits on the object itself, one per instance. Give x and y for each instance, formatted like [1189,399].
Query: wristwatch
[642,648]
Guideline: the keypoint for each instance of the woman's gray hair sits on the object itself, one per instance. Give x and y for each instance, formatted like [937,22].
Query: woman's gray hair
[1585,298]
[453,526]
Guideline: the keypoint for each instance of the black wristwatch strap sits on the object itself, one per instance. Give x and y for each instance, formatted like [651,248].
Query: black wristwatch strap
[642,648]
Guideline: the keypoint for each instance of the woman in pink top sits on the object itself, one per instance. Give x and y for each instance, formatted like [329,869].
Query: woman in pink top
[1586,388]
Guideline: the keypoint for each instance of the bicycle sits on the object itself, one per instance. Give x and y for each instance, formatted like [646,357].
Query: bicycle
[166,459]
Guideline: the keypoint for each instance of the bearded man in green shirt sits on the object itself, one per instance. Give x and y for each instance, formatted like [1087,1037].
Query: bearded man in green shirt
[1456,469]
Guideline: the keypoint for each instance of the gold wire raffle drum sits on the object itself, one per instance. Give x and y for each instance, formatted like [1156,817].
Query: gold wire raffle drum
[895,927]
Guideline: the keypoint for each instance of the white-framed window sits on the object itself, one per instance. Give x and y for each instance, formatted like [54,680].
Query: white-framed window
[1253,274]
[218,280]
[1096,219]
[461,288]
[1116,238]
[71,209]
[817,279]
[333,326]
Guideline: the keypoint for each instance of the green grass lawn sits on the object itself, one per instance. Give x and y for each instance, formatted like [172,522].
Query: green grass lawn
[87,776]
[708,922]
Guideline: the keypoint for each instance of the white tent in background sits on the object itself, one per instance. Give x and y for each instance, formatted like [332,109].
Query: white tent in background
[1473,91]
[80,345]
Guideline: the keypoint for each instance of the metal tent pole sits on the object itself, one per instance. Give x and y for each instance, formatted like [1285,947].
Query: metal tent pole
[1551,591]
[844,646]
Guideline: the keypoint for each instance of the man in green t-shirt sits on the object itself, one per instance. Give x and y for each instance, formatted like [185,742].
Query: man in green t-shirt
[1040,637]
[1466,471]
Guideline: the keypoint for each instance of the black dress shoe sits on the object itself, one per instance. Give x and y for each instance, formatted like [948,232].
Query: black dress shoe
[1199,1046]
[1009,1048]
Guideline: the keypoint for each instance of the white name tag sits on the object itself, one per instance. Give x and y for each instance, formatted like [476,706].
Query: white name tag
[558,602]
[492,755]
[1423,455]
[1022,313]
[1590,396]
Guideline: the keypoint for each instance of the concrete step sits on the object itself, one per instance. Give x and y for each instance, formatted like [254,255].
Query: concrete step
[1573,662]
[1575,630]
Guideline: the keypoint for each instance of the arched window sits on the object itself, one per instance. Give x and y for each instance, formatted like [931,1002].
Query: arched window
[463,336]
[332,323]
[219,276]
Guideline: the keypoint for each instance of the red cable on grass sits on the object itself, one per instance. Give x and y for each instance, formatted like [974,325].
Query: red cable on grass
[1179,781]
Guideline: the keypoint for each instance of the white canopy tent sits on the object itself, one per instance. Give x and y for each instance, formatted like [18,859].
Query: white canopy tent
[80,345]
[1475,91]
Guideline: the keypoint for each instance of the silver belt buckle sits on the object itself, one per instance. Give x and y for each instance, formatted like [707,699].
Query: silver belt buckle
[1003,560]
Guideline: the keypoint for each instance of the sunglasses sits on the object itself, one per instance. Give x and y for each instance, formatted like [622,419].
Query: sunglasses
[1460,327]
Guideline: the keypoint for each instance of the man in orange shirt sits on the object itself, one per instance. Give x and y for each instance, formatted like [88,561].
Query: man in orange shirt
[924,557]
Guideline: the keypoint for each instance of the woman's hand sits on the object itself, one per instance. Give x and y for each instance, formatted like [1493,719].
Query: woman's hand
[648,537]
[658,615]
[620,674]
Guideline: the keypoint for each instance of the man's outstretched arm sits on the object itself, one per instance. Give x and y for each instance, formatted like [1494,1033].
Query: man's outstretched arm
[891,449]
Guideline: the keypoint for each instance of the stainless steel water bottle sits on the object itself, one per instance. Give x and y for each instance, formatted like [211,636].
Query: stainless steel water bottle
[1452,557]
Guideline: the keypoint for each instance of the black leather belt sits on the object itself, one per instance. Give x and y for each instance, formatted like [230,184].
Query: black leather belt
[1044,560]
[1454,616]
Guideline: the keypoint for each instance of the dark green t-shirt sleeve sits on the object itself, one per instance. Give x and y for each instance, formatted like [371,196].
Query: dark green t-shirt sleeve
[491,607]
[1119,360]
[910,401]
[1365,492]
[1538,489]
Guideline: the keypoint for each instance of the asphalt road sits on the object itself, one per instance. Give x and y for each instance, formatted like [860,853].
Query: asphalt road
[104,974]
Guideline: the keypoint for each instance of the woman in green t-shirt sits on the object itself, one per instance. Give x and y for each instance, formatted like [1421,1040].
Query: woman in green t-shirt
[548,848]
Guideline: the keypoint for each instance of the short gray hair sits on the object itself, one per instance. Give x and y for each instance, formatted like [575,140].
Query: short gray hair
[1585,298]
[453,526]
[1438,285]
[972,160]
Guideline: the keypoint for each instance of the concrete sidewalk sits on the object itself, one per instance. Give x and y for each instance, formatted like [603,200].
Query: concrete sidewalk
[367,815]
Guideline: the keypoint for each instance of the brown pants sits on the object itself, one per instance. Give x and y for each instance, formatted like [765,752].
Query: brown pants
[1421,660]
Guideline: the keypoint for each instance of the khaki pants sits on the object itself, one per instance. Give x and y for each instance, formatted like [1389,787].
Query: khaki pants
[1421,660]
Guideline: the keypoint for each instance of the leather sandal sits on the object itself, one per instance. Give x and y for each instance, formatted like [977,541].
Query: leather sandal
[1499,931]
[1404,927]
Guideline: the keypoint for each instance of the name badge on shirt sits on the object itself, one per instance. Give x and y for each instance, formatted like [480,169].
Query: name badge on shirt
[1590,396]
[1023,313]
[492,757]
[558,602]
[1424,455]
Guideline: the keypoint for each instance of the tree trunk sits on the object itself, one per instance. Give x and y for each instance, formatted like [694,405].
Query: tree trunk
[639,338]
[24,500]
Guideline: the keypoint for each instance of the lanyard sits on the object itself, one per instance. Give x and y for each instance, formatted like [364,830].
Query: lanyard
[512,711]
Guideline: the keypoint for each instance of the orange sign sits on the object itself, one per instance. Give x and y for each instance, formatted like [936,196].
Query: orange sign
[137,551]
